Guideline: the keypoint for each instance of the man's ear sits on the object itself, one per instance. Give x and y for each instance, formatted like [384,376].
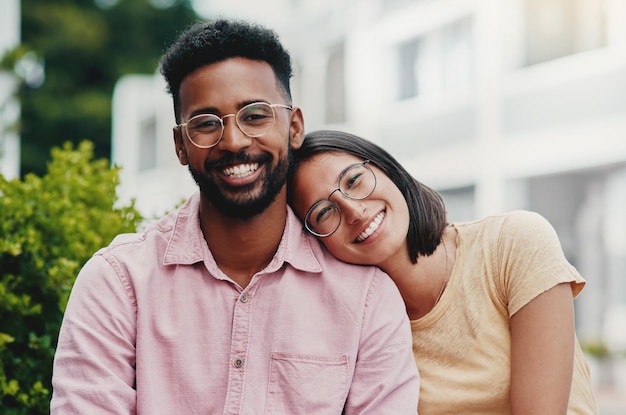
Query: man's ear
[179,145]
[296,128]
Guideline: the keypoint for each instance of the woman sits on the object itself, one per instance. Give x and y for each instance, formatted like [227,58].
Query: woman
[490,301]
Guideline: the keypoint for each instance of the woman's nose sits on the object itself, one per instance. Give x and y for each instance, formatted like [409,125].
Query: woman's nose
[353,210]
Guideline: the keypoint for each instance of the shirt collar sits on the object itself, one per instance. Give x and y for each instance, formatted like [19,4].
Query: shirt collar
[188,246]
[186,243]
[295,247]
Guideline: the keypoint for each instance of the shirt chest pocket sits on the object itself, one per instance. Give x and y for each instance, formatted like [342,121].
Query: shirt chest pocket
[306,384]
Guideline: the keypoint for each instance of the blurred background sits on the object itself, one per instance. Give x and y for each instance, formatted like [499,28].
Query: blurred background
[498,105]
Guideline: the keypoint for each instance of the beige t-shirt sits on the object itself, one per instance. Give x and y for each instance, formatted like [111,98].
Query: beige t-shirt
[462,347]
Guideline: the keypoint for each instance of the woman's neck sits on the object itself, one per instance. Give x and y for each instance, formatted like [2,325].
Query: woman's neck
[422,284]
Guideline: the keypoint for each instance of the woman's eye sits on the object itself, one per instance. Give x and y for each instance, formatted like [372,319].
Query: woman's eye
[353,181]
[323,213]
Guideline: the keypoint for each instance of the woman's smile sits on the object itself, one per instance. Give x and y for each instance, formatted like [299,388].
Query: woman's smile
[371,228]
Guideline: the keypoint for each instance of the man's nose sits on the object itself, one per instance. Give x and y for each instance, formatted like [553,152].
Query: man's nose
[233,139]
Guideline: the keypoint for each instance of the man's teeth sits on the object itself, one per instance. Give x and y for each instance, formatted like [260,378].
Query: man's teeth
[372,227]
[241,170]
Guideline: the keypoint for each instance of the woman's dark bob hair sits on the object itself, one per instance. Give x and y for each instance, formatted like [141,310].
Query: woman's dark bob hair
[427,211]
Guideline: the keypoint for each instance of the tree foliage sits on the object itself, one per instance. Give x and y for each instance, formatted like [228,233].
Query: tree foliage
[85,46]
[49,227]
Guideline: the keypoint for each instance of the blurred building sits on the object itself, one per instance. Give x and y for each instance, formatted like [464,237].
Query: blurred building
[499,105]
[9,107]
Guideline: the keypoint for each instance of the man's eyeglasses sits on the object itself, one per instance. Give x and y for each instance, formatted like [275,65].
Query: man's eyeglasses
[254,120]
[356,182]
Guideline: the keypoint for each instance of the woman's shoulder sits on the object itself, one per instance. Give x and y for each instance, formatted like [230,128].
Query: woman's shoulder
[516,220]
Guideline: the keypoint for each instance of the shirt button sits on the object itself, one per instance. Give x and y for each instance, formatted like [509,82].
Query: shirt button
[238,363]
[244,298]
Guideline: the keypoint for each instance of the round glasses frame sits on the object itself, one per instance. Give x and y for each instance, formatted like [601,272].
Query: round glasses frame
[335,206]
[240,123]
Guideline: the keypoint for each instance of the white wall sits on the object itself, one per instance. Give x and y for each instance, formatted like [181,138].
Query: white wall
[9,107]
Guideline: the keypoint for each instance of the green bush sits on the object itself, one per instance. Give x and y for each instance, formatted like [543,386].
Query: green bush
[49,227]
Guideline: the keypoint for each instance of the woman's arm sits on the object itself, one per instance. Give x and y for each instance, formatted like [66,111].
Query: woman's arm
[542,353]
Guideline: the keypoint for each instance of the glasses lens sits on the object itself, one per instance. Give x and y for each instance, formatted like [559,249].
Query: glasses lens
[358,182]
[204,130]
[323,218]
[256,119]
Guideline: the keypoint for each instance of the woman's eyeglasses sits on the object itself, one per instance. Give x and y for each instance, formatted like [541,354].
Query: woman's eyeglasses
[356,182]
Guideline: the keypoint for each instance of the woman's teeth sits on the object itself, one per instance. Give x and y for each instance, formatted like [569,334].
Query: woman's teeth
[241,170]
[371,228]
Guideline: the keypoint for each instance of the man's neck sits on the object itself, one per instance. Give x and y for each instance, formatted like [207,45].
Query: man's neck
[243,247]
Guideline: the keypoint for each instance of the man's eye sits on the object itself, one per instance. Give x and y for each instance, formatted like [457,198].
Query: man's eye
[205,124]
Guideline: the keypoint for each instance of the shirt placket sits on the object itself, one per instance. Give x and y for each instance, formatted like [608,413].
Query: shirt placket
[238,353]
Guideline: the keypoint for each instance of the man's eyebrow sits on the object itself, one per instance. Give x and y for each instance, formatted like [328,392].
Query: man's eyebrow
[208,110]
[215,111]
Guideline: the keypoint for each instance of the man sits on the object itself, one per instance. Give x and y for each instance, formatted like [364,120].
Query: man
[226,306]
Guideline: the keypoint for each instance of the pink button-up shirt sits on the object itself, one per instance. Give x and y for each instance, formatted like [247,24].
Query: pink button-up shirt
[153,326]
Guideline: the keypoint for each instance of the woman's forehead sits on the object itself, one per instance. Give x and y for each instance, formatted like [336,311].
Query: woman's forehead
[331,162]
[322,169]
[318,175]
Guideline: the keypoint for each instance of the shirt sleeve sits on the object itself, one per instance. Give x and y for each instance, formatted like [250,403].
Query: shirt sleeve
[94,364]
[531,260]
[386,379]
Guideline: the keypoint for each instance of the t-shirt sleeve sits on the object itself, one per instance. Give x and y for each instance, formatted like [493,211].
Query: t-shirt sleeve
[532,259]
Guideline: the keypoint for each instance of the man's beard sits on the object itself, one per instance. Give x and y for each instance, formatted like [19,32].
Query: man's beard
[245,205]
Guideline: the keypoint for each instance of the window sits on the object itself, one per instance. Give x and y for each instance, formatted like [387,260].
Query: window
[408,54]
[147,144]
[392,5]
[460,203]
[388,6]
[335,87]
[556,28]
[437,61]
